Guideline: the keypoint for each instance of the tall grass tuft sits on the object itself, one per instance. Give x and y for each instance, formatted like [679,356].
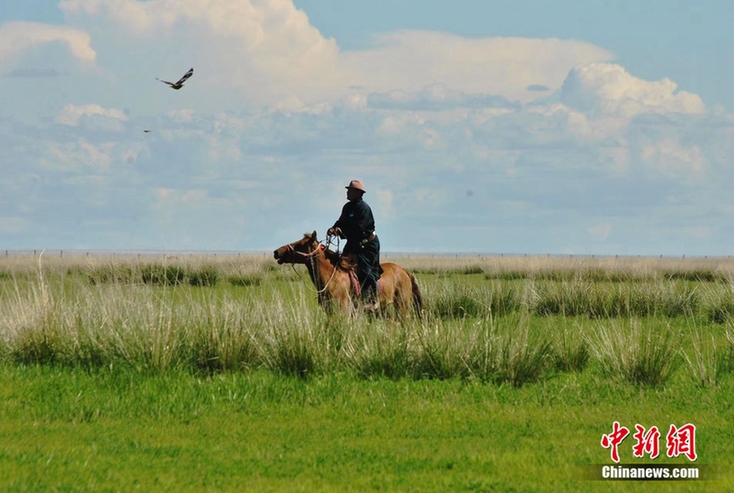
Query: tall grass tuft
[205,275]
[496,300]
[293,340]
[223,342]
[31,334]
[722,310]
[441,352]
[97,314]
[378,350]
[698,275]
[111,273]
[141,326]
[509,352]
[615,300]
[631,353]
[727,353]
[705,363]
[245,280]
[167,275]
[487,350]
[570,349]
[472,269]
[521,357]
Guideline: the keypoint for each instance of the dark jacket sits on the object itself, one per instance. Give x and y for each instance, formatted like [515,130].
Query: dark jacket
[358,227]
[356,222]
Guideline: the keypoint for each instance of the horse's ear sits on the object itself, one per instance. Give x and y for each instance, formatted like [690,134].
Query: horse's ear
[313,235]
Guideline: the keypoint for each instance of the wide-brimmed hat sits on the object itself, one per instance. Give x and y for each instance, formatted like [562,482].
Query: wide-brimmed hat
[357,185]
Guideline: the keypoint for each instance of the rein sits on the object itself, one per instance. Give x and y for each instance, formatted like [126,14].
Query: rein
[311,256]
[289,248]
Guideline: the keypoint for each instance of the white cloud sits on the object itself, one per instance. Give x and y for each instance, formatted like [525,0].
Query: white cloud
[71,114]
[436,97]
[182,116]
[225,123]
[18,37]
[670,158]
[506,67]
[79,157]
[448,132]
[395,124]
[616,158]
[604,89]
[526,168]
[223,149]
[267,52]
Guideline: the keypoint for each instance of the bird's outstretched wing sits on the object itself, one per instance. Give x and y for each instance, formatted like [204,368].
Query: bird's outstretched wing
[178,85]
[185,77]
[165,82]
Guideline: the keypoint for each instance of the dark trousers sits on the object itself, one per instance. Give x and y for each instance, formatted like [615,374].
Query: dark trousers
[368,260]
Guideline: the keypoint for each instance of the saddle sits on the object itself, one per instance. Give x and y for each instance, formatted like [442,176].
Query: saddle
[349,263]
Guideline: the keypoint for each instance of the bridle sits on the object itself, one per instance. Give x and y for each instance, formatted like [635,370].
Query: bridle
[311,257]
[289,249]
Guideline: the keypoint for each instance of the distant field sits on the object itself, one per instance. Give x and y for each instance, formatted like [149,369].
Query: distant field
[214,372]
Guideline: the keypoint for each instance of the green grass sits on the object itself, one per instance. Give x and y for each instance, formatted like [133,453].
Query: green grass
[225,375]
[635,354]
[118,430]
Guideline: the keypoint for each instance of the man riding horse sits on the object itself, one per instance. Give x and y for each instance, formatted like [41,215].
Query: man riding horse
[357,225]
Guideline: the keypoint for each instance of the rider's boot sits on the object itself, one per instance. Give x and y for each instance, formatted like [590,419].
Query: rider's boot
[370,298]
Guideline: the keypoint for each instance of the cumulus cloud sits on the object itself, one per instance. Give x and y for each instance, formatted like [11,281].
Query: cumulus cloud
[79,157]
[497,66]
[268,50]
[71,114]
[530,165]
[18,37]
[669,157]
[604,89]
[269,53]
[538,87]
[436,97]
[442,128]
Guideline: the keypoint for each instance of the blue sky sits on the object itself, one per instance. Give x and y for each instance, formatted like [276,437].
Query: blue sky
[567,127]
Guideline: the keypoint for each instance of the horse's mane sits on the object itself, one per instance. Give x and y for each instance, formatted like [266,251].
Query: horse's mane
[342,263]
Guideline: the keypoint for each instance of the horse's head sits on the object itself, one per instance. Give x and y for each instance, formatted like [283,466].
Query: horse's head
[298,251]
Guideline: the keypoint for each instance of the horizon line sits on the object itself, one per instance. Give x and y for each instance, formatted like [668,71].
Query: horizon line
[76,252]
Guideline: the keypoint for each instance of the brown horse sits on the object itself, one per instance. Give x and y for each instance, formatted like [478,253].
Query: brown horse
[333,282]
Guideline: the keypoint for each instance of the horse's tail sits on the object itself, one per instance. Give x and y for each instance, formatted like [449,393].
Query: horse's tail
[417,297]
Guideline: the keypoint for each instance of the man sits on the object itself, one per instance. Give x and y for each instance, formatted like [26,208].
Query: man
[357,225]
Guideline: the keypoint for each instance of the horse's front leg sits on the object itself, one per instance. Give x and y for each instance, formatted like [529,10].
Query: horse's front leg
[345,302]
[323,300]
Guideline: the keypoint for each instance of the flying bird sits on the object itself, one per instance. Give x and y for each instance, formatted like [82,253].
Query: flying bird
[146,131]
[178,85]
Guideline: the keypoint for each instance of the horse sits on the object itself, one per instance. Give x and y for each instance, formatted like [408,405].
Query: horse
[335,285]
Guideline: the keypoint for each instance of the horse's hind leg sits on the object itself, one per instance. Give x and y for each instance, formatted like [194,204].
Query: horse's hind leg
[404,300]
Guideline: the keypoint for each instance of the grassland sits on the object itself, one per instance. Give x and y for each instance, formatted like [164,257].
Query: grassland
[222,374]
